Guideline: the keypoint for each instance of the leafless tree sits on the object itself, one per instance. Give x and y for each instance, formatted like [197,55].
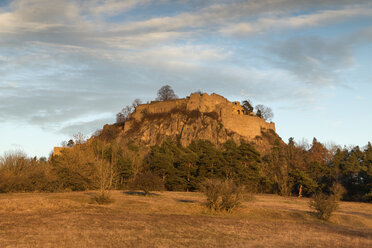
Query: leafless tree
[124,114]
[264,112]
[136,102]
[166,93]
[80,138]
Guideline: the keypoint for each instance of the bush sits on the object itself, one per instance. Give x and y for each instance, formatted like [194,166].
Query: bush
[338,191]
[147,181]
[222,195]
[368,197]
[102,198]
[324,205]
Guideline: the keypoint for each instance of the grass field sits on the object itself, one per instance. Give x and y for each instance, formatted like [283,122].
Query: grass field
[175,219]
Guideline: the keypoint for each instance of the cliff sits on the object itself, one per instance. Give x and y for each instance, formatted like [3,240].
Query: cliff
[199,116]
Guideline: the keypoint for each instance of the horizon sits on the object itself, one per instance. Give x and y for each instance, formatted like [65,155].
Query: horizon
[71,65]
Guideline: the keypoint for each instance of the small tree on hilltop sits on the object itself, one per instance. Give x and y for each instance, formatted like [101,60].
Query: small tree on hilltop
[166,93]
[136,102]
[264,112]
[124,114]
[247,105]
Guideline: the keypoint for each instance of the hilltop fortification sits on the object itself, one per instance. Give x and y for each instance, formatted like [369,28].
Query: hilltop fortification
[198,116]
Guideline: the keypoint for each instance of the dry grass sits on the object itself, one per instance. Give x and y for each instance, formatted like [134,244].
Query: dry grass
[175,219]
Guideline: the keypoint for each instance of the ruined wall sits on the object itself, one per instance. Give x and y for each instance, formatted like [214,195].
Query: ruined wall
[57,151]
[231,114]
[206,103]
[158,107]
[246,125]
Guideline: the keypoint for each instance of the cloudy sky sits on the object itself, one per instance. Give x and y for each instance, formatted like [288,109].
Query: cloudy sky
[70,65]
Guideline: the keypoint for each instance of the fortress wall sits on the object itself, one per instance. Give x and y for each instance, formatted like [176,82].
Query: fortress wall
[205,102]
[231,113]
[158,107]
[245,125]
[57,151]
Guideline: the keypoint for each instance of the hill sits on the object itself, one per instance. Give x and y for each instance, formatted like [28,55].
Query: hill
[197,117]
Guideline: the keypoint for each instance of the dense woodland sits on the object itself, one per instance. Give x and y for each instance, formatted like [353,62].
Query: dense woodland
[103,163]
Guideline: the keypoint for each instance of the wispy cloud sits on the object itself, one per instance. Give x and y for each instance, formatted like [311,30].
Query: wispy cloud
[61,60]
[312,60]
[278,23]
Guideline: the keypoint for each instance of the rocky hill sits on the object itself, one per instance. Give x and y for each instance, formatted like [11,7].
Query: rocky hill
[199,116]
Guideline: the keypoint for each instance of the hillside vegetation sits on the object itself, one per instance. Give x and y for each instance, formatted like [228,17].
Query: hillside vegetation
[118,156]
[108,163]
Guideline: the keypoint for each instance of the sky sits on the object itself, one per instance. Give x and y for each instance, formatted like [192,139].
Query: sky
[68,66]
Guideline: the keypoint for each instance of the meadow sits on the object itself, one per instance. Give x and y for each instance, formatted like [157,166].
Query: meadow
[175,219]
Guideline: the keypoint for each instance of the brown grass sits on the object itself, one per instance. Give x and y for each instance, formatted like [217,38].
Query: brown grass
[175,219]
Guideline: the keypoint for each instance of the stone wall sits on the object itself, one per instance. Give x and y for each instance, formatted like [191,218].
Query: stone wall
[158,107]
[58,150]
[231,114]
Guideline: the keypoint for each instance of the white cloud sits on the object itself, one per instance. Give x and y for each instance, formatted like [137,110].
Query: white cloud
[278,23]
[114,7]
[68,60]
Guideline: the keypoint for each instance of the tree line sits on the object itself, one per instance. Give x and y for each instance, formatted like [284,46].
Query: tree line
[104,163]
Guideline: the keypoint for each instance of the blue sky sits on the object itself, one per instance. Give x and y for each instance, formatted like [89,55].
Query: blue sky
[69,66]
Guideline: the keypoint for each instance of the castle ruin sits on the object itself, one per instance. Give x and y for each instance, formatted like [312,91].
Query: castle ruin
[231,114]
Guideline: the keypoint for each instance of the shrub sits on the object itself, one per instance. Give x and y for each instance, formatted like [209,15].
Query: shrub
[147,181]
[213,115]
[222,195]
[109,132]
[102,198]
[324,205]
[338,190]
[368,197]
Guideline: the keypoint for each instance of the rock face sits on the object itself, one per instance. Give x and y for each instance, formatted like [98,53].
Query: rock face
[199,116]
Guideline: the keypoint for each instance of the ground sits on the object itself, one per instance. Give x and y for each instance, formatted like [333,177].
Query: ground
[175,219]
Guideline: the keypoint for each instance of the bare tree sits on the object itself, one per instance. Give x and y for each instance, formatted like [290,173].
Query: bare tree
[69,143]
[106,172]
[264,112]
[136,102]
[166,93]
[80,138]
[124,114]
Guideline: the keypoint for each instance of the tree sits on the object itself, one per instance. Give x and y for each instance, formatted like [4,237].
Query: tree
[324,205]
[276,168]
[198,92]
[70,143]
[166,93]
[264,112]
[247,105]
[124,114]
[136,102]
[222,195]
[147,181]
[80,138]
[106,157]
[211,160]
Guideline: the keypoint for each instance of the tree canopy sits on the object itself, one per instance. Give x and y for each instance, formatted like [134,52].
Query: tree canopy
[166,93]
[264,112]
